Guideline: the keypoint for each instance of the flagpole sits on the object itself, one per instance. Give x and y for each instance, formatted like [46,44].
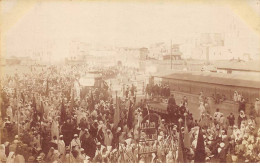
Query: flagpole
[18,121]
[18,116]
[134,121]
[114,115]
[171,54]
[42,112]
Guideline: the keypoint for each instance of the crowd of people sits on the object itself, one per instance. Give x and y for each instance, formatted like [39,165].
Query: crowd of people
[109,72]
[158,90]
[45,120]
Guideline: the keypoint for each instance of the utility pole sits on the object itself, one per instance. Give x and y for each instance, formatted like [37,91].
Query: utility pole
[207,55]
[171,54]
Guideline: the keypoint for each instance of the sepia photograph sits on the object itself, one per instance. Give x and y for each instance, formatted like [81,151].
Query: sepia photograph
[131,81]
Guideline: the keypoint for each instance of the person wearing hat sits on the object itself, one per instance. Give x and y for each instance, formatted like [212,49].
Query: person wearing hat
[231,119]
[55,128]
[83,124]
[61,146]
[222,152]
[82,133]
[66,129]
[217,115]
[88,144]
[251,122]
[76,142]
[139,118]
[94,128]
[108,137]
[222,121]
[241,117]
[242,104]
[16,137]
[235,97]
[98,153]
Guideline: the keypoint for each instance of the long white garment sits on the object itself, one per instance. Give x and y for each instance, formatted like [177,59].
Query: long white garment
[61,147]
[54,129]
[10,158]
[202,109]
[75,142]
[140,119]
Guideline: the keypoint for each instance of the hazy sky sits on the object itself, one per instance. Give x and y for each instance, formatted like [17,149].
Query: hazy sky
[120,24]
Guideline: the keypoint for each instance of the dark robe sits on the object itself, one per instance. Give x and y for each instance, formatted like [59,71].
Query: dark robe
[89,145]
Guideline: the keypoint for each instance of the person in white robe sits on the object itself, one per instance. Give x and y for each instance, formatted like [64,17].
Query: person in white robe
[10,158]
[201,109]
[55,128]
[76,142]
[61,146]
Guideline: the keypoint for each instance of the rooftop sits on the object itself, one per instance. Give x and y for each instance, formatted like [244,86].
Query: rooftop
[214,78]
[236,65]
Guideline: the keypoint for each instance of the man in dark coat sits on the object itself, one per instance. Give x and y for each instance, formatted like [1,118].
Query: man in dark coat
[116,133]
[231,119]
[94,129]
[171,100]
[88,144]
[222,153]
[67,131]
